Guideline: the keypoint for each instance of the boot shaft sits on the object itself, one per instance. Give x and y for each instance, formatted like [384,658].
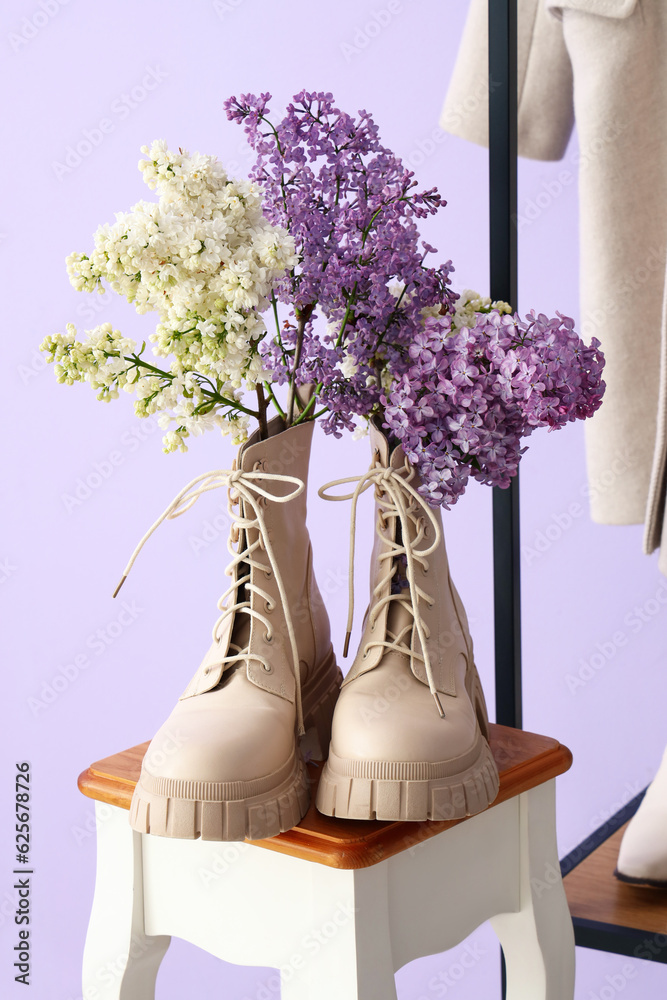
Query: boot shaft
[446,632]
[284,590]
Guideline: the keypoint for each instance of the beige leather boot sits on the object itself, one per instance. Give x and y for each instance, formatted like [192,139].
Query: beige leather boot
[642,858]
[410,729]
[226,764]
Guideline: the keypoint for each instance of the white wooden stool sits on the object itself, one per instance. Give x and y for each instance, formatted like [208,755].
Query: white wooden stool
[337,906]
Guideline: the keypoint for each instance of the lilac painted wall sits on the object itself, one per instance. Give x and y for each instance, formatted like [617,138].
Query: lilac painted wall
[65,68]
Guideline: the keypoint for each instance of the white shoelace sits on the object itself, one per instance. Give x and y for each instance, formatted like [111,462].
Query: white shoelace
[405,503]
[241,485]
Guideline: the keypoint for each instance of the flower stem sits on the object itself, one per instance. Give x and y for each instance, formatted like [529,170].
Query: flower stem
[309,406]
[348,312]
[274,304]
[272,399]
[261,413]
[303,315]
[214,396]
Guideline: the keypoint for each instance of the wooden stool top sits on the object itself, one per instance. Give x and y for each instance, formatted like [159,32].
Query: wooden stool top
[524,760]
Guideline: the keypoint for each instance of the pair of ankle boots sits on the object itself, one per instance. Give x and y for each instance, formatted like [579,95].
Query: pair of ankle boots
[407,732]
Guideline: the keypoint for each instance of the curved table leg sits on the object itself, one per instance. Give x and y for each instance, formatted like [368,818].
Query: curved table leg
[120,961]
[538,940]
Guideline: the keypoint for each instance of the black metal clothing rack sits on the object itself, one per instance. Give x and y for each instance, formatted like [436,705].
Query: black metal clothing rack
[503,286]
[506,528]
[502,90]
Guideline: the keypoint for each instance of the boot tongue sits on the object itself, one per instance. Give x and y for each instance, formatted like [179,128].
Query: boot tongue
[240,636]
[239,640]
[399,582]
[254,456]
[399,616]
[241,631]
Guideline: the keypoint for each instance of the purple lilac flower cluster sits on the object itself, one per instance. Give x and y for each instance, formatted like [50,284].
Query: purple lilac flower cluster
[459,402]
[466,400]
[351,206]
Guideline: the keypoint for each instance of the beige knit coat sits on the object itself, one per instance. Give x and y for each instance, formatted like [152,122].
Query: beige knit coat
[602,63]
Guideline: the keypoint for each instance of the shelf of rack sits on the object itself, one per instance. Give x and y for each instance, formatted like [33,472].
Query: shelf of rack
[610,915]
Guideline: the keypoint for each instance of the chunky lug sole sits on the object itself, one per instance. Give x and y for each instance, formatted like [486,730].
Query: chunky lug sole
[238,810]
[414,791]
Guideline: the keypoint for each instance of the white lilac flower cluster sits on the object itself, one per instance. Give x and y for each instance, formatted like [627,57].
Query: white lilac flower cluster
[468,306]
[205,258]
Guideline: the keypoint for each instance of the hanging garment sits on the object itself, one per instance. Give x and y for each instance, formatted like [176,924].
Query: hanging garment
[602,64]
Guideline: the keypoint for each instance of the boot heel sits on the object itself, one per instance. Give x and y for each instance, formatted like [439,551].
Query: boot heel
[476,695]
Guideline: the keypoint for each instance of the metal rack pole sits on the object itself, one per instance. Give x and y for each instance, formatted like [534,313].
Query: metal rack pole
[503,285]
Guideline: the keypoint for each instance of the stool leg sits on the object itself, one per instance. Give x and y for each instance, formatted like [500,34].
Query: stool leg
[120,961]
[538,939]
[347,953]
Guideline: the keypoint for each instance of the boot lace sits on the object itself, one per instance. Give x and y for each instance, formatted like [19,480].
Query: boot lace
[241,486]
[398,500]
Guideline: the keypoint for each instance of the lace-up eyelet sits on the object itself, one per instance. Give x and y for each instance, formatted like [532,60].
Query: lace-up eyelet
[267,668]
[268,637]
[268,573]
[207,670]
[269,606]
